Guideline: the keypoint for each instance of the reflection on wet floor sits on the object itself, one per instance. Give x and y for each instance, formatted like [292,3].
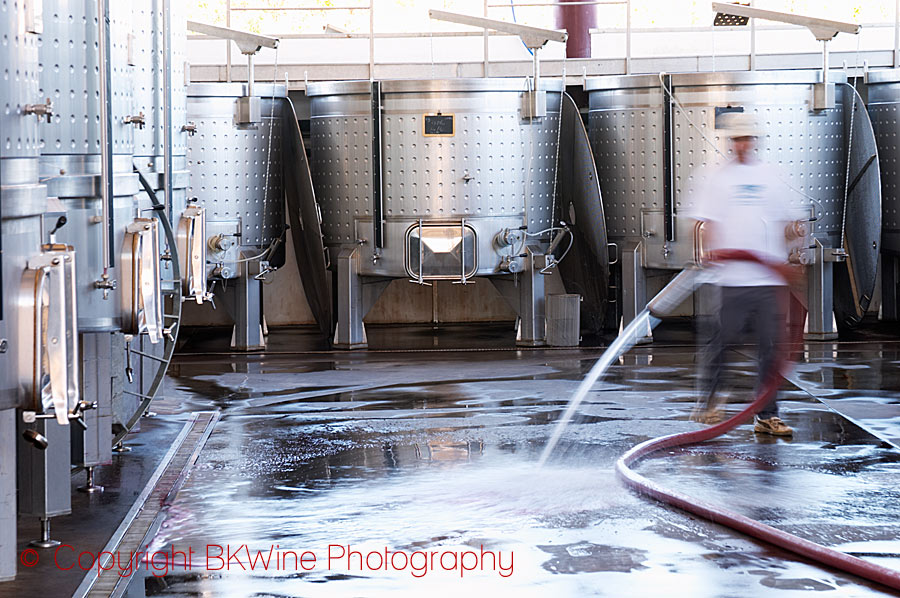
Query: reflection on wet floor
[434,454]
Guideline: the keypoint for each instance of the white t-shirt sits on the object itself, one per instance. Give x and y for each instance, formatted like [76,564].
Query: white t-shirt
[748,206]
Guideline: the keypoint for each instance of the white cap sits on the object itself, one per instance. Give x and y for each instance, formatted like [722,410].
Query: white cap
[741,124]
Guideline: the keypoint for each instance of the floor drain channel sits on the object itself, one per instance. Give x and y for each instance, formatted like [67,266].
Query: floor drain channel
[146,515]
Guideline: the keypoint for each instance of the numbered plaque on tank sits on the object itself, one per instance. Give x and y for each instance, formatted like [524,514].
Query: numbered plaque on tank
[438,125]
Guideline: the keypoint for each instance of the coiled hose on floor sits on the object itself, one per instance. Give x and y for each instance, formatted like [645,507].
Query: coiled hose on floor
[721,515]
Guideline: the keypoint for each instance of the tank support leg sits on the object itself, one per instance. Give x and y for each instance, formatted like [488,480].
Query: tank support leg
[526,294]
[890,277]
[93,446]
[634,286]
[821,325]
[248,308]
[44,476]
[532,330]
[8,439]
[355,297]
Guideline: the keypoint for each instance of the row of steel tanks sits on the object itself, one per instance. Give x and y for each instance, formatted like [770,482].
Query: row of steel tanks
[654,138]
[457,180]
[91,289]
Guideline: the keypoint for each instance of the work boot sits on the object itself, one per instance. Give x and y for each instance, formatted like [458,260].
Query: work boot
[709,415]
[773,426]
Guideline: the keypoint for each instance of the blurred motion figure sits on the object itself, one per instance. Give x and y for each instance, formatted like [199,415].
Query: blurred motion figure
[743,204]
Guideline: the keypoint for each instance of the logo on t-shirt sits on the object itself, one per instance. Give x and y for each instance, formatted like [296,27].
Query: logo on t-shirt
[749,193]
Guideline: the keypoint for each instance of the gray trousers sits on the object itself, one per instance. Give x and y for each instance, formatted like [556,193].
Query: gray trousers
[743,309]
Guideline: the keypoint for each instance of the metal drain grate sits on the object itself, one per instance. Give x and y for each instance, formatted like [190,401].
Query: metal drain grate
[149,510]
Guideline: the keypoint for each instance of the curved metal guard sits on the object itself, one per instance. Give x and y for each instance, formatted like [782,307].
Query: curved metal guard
[141,284]
[586,271]
[854,284]
[192,250]
[306,225]
[171,300]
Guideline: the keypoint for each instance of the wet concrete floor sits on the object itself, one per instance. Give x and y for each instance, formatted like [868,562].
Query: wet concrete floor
[423,463]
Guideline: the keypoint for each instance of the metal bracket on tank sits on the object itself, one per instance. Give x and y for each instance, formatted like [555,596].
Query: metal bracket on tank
[668,162]
[48,365]
[141,285]
[377,175]
[192,251]
[463,279]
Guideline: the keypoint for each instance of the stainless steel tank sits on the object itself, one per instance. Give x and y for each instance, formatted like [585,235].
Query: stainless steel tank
[36,330]
[235,170]
[22,197]
[459,165]
[450,180]
[71,152]
[149,101]
[654,137]
[236,177]
[883,100]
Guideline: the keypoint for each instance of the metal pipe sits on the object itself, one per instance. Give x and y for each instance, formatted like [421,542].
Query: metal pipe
[167,109]
[421,251]
[250,75]
[628,37]
[753,41]
[228,42]
[577,18]
[371,40]
[462,249]
[536,68]
[825,61]
[106,136]
[487,38]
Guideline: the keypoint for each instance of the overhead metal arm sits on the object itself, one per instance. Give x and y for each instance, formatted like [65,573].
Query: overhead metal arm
[823,29]
[532,37]
[534,106]
[248,43]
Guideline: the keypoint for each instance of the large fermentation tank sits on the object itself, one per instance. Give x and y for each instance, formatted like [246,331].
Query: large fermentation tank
[655,137]
[449,151]
[22,201]
[236,175]
[883,91]
[436,180]
[71,145]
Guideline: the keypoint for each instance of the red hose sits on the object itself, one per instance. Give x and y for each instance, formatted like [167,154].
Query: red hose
[717,514]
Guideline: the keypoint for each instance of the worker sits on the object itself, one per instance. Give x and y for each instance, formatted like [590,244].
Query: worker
[743,204]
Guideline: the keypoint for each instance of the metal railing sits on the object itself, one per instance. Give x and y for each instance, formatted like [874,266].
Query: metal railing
[371,35]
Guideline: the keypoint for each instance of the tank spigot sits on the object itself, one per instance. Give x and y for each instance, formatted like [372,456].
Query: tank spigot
[35,438]
[44,110]
[138,119]
[106,284]
[190,129]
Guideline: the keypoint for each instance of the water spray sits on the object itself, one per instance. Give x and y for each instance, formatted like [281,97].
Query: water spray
[673,294]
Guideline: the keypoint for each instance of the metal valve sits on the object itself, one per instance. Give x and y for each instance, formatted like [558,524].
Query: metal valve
[798,229]
[137,119]
[35,438]
[44,110]
[189,128]
[106,284]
